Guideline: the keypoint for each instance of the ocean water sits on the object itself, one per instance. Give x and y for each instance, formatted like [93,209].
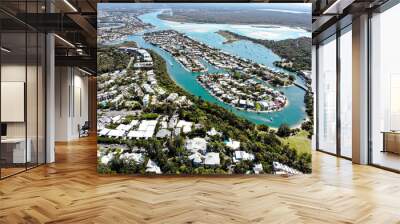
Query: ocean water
[293,114]
[266,32]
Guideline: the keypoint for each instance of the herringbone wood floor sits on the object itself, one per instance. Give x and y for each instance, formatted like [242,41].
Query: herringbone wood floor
[70,191]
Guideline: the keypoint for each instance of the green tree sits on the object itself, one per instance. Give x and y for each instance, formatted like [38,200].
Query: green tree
[258,107]
[242,167]
[309,127]
[284,130]
[263,127]
[236,75]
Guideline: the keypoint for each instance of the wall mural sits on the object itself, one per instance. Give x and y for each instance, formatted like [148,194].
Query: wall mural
[204,88]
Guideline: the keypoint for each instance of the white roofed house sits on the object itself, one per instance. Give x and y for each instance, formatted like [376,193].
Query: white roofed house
[152,167]
[172,97]
[177,131]
[138,91]
[116,133]
[185,126]
[135,134]
[173,121]
[160,90]
[250,103]
[212,159]
[146,100]
[196,145]
[242,155]
[164,124]
[116,119]
[152,81]
[305,73]
[198,126]
[150,73]
[242,103]
[147,88]
[196,158]
[146,56]
[213,132]
[104,132]
[233,144]
[142,54]
[124,127]
[137,157]
[183,101]
[105,96]
[118,99]
[104,120]
[106,158]
[258,168]
[148,123]
[282,169]
[147,64]
[163,133]
[145,130]
[264,104]
[134,123]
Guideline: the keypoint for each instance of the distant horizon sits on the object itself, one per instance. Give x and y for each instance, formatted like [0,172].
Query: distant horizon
[304,8]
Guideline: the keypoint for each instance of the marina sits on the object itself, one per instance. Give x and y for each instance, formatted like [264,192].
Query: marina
[293,114]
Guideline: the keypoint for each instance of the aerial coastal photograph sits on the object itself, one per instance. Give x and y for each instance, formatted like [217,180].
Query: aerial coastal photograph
[204,88]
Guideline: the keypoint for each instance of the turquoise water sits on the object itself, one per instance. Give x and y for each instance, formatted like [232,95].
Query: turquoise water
[293,114]
[254,31]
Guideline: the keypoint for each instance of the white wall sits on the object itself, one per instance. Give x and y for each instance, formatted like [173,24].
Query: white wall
[314,90]
[61,103]
[71,102]
[17,73]
[12,73]
[33,126]
[80,105]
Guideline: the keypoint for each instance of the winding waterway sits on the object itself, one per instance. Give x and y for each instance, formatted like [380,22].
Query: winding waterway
[293,114]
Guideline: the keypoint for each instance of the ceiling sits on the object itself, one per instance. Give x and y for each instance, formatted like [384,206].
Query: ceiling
[75,22]
[332,15]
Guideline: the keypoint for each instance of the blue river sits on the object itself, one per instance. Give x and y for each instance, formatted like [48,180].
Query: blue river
[293,114]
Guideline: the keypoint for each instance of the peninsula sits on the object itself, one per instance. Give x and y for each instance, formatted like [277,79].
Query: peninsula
[296,50]
[243,92]
[190,52]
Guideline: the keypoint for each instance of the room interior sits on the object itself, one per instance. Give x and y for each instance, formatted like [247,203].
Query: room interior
[385,85]
[358,44]
[22,101]
[38,107]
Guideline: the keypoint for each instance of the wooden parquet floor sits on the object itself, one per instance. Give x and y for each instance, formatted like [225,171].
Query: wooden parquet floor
[70,191]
